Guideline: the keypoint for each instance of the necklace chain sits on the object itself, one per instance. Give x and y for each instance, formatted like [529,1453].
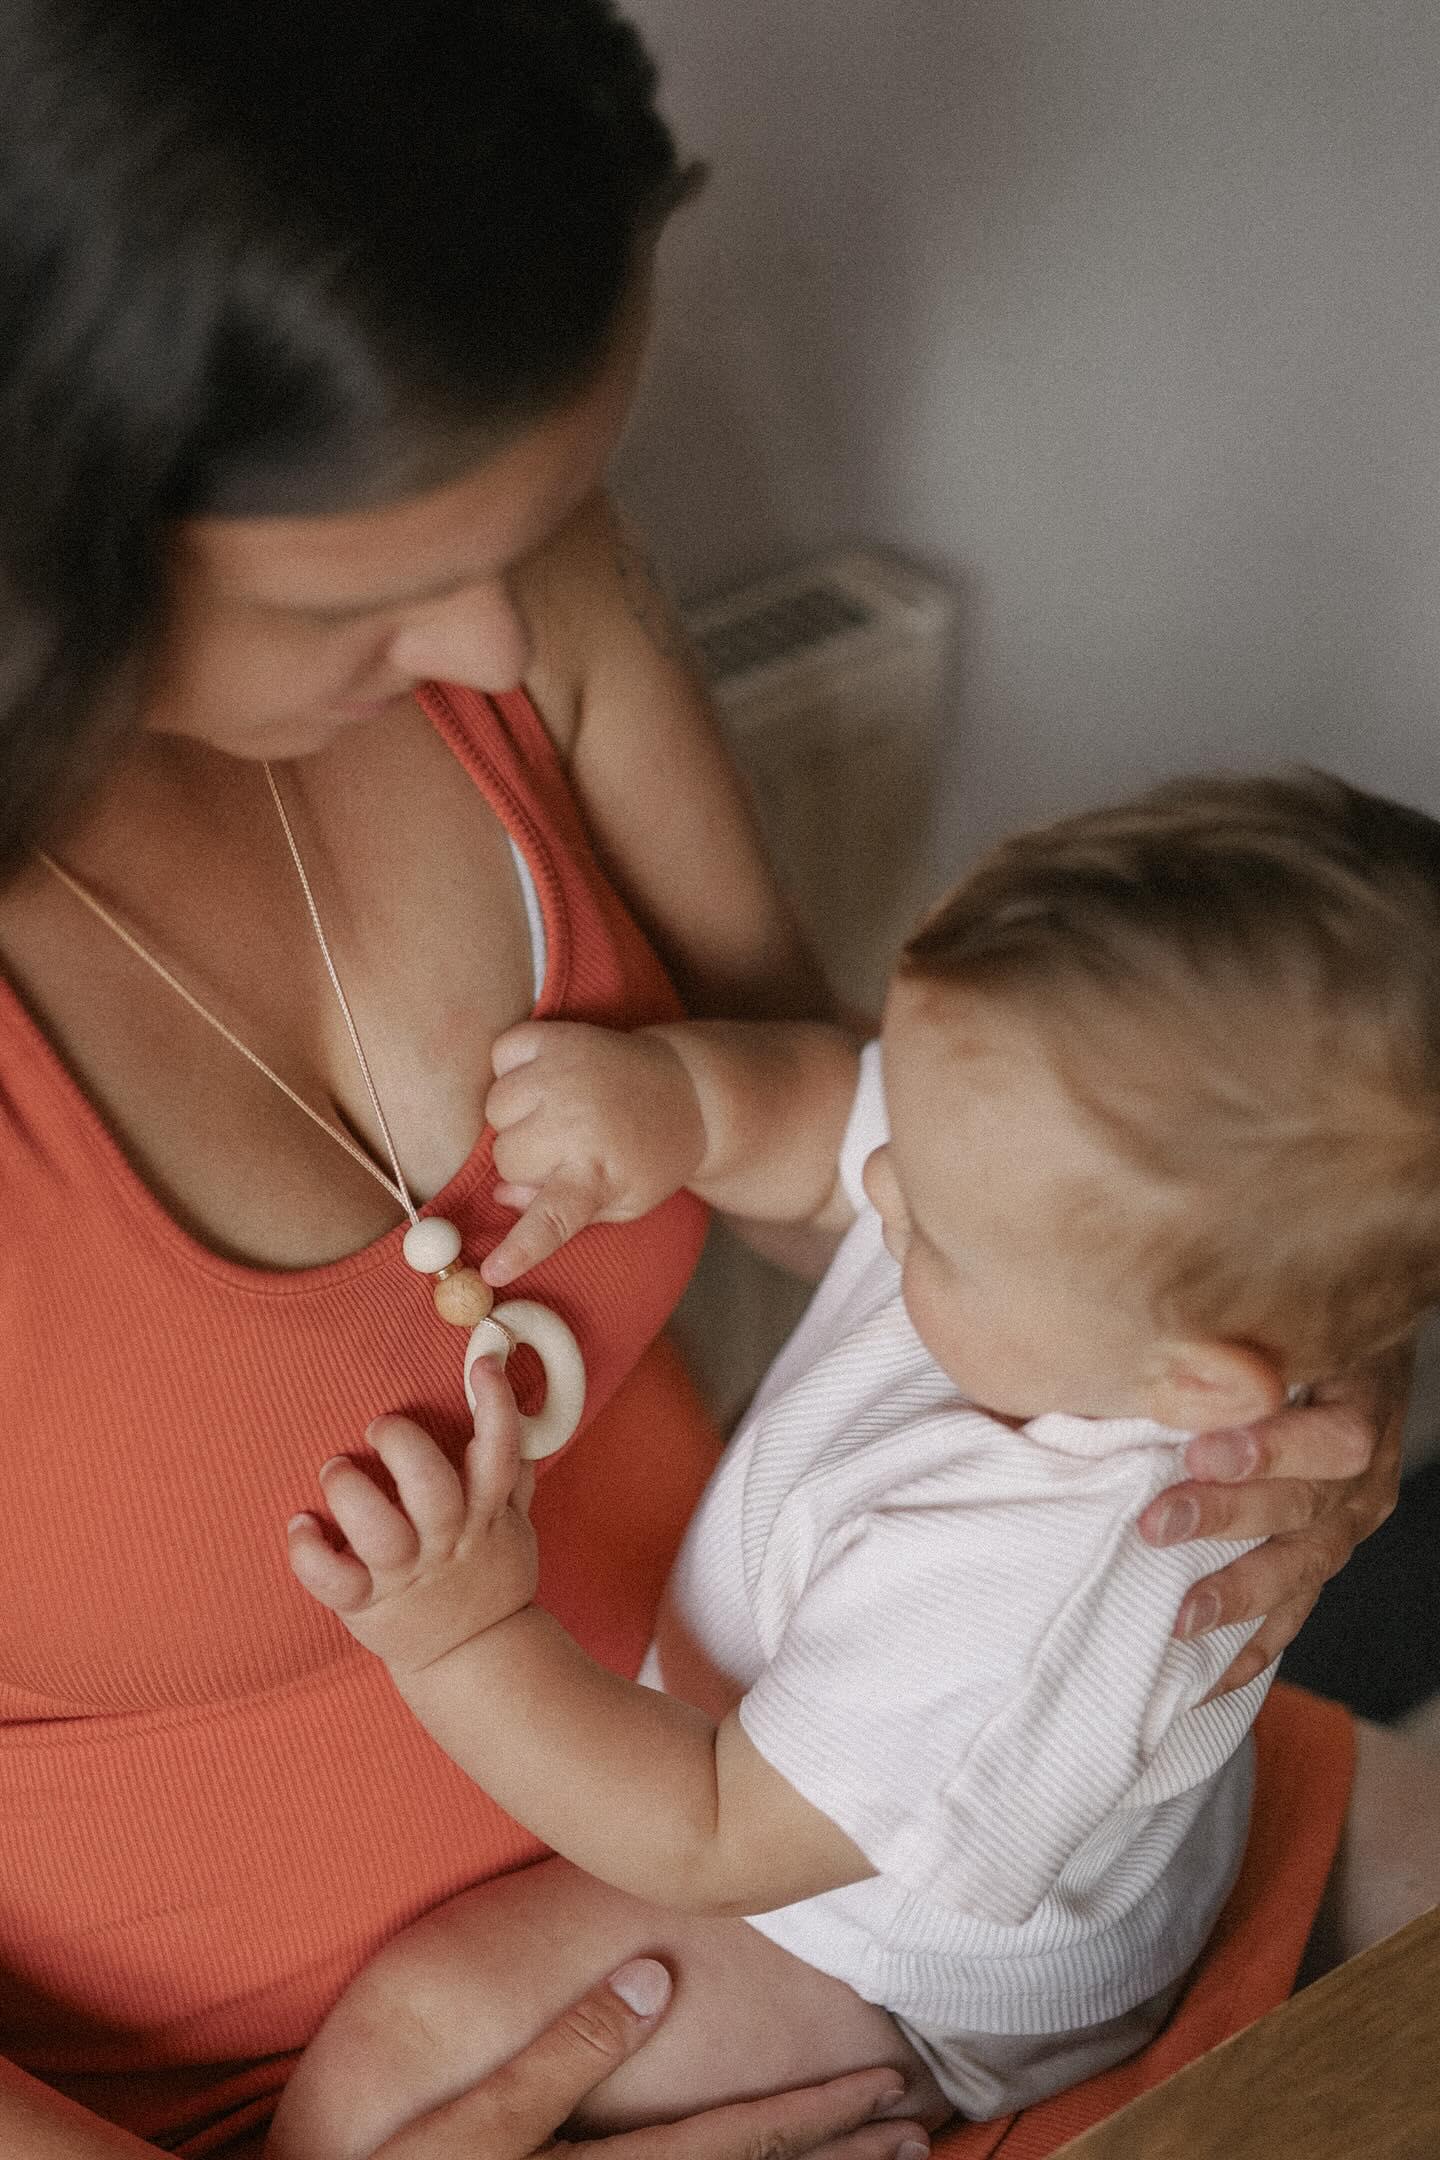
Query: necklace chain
[397,1188]
[431,1246]
[400,1189]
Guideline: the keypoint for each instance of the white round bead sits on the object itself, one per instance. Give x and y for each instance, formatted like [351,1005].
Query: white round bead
[430,1244]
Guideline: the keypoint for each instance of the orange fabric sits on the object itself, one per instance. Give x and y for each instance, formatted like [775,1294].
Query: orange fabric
[213,1807]
[1305,1760]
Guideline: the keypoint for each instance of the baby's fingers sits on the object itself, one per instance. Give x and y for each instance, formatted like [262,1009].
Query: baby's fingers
[337,1580]
[493,1469]
[512,1098]
[376,1531]
[563,1205]
[521,1045]
[429,1487]
[528,1061]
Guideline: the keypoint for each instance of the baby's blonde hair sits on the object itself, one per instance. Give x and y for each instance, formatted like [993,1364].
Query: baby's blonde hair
[1238,981]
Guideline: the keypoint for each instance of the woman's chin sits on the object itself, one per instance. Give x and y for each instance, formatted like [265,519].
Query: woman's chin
[281,745]
[300,737]
[353,709]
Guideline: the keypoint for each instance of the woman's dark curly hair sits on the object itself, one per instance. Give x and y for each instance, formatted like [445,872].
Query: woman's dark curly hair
[272,256]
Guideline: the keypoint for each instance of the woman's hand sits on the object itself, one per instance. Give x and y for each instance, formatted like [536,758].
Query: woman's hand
[513,2113]
[1312,1482]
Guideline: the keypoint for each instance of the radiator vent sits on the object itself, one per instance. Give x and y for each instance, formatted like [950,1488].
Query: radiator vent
[779,630]
[830,681]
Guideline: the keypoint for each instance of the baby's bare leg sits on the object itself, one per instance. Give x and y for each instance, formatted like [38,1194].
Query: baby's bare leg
[471,1982]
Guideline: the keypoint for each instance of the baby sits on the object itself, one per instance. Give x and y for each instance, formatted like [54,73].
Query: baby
[1151,1139]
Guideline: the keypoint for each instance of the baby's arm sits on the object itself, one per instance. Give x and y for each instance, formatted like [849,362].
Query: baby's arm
[633,1786]
[594,1125]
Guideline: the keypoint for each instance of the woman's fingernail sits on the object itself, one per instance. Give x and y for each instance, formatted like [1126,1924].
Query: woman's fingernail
[913,2149]
[1223,1456]
[644,1984]
[890,2102]
[1199,1616]
[1177,1520]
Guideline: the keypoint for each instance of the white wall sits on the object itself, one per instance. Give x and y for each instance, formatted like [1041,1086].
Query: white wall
[1122,311]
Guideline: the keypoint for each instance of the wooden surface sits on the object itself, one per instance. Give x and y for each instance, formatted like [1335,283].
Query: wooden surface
[1347,2070]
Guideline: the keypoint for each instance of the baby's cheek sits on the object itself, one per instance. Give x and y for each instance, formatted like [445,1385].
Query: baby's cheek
[920,1304]
[941,1316]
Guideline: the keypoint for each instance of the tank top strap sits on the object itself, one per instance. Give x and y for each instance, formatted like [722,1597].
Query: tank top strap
[595,951]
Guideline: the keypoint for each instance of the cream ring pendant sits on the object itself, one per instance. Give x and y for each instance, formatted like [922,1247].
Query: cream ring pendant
[463,1297]
[521,1320]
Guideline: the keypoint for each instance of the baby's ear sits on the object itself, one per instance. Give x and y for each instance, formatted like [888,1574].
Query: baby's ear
[1200,1386]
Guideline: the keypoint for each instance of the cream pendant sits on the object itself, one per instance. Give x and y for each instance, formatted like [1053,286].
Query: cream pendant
[462,1296]
[521,1320]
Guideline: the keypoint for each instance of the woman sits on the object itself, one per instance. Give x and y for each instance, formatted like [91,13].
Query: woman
[321,325]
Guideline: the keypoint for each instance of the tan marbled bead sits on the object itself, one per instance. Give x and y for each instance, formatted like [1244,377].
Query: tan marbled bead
[463,1297]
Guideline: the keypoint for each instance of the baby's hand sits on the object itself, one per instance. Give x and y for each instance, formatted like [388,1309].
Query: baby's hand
[591,1126]
[414,1581]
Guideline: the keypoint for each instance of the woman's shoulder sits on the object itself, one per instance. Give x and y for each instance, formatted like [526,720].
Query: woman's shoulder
[624,701]
[561,590]
[598,616]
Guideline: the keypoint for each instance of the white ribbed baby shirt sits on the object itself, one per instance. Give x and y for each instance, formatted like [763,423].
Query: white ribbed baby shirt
[949,1637]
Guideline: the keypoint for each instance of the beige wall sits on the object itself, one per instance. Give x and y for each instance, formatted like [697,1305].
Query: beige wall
[1124,311]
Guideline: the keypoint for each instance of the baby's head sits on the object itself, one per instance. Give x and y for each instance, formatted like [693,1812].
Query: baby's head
[1164,1094]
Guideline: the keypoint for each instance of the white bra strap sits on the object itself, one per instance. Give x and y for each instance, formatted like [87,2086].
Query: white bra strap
[539,944]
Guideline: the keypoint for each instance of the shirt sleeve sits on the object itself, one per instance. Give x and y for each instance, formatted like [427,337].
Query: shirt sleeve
[868,1127]
[969,1691]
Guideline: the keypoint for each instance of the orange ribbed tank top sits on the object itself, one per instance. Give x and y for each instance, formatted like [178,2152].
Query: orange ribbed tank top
[213,1807]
